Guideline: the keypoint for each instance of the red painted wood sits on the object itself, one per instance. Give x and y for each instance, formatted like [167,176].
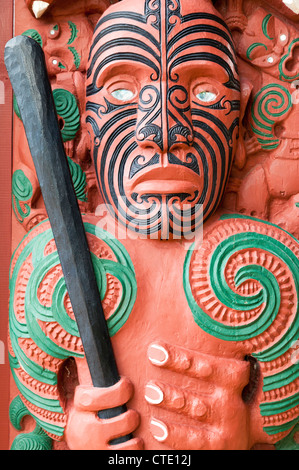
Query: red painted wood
[6,32]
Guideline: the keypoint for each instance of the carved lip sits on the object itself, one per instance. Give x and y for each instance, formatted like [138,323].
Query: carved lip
[174,179]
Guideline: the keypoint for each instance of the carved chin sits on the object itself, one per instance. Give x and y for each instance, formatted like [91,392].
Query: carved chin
[161,215]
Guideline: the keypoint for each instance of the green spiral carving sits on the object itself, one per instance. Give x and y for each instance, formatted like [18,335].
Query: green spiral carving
[260,257]
[67,109]
[17,411]
[21,193]
[123,270]
[35,440]
[289,443]
[31,319]
[269,294]
[269,107]
[79,180]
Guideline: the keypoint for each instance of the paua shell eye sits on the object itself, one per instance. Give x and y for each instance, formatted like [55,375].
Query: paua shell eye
[206,96]
[54,31]
[122,94]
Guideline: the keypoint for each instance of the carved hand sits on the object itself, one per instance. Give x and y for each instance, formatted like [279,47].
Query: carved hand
[85,430]
[220,416]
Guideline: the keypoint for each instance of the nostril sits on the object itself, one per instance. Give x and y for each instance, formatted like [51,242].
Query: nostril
[181,146]
[181,135]
[147,147]
[149,137]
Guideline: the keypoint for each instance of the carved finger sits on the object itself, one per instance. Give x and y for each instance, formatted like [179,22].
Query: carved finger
[95,399]
[85,430]
[120,425]
[178,400]
[199,365]
[179,360]
[132,444]
[185,437]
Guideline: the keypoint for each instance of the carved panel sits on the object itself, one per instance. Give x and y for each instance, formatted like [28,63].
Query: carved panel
[173,114]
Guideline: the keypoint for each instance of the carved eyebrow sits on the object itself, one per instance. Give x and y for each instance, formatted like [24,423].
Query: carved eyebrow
[76,56]
[219,38]
[74,32]
[125,15]
[232,83]
[130,36]
[202,34]
[200,28]
[204,42]
[137,30]
[125,56]
[122,42]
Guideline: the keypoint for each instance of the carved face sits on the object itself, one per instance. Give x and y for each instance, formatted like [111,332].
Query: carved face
[163,112]
[271,44]
[64,46]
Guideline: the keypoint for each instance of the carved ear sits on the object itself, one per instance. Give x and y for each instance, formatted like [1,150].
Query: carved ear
[84,145]
[246,89]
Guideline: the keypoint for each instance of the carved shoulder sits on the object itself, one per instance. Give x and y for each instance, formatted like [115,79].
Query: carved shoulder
[42,328]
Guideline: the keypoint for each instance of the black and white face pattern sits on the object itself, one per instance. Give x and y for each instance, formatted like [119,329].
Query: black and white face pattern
[163,102]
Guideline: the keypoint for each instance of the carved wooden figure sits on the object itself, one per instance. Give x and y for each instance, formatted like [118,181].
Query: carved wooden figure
[179,125]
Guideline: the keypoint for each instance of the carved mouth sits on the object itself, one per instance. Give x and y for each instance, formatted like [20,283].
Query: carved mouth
[289,149]
[174,179]
[294,148]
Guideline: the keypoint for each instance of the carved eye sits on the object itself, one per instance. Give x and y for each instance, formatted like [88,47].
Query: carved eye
[206,96]
[54,31]
[122,94]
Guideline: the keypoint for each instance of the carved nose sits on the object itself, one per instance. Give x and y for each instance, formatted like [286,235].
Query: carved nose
[161,125]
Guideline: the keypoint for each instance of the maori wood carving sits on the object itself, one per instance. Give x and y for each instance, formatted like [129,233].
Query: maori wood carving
[179,122]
